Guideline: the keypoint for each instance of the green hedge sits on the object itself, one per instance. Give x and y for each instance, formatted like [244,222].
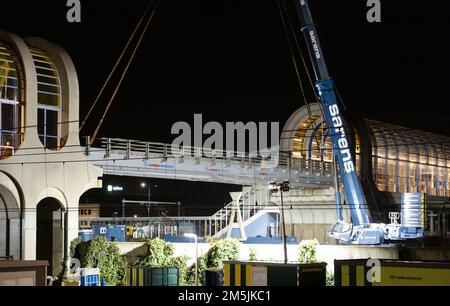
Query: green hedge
[160,254]
[222,250]
[99,253]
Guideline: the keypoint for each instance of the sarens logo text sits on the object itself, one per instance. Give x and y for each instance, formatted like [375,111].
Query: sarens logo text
[342,142]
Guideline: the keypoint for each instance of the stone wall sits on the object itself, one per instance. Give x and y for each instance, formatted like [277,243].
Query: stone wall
[309,213]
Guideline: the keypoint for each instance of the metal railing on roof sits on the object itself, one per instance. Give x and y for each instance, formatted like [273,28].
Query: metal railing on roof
[146,150]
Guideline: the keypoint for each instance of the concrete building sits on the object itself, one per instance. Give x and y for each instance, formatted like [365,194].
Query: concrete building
[87,211]
[43,171]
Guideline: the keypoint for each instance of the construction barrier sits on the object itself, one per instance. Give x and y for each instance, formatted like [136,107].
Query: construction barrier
[274,274]
[152,276]
[372,272]
[23,272]
[214,277]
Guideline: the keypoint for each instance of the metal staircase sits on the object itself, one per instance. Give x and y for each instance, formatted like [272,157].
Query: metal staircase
[252,203]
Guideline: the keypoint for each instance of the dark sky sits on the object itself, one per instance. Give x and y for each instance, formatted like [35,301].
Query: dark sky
[230,61]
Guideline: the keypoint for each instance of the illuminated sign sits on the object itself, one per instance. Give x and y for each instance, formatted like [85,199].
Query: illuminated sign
[112,188]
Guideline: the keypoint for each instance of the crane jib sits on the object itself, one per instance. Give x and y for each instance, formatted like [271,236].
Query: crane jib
[342,151]
[360,230]
[333,117]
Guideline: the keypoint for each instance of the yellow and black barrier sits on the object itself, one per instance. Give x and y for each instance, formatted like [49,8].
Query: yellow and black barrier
[237,274]
[274,274]
[135,276]
[365,272]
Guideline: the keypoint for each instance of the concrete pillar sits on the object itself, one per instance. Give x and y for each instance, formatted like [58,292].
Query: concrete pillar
[3,231]
[14,238]
[444,225]
[29,237]
[72,222]
[432,215]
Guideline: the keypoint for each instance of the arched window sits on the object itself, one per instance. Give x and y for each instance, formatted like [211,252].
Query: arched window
[11,102]
[49,101]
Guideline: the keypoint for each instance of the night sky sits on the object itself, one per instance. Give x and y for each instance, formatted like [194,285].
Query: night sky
[230,61]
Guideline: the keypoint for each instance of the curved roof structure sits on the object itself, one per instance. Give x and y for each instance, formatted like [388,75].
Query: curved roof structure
[400,159]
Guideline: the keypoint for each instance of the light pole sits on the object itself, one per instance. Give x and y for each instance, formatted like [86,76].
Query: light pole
[143,185]
[284,225]
[191,235]
[285,186]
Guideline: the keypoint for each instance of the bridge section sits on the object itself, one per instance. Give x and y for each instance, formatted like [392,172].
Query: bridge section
[125,157]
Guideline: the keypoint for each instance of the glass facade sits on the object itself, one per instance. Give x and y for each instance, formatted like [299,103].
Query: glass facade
[407,160]
[49,101]
[311,140]
[403,159]
[11,103]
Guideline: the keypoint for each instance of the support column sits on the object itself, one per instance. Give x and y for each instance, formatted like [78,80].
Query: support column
[72,223]
[29,230]
[444,224]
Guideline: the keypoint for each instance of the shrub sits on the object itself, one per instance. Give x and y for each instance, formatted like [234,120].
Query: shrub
[252,254]
[73,247]
[181,263]
[105,256]
[226,249]
[330,279]
[202,265]
[307,252]
[222,250]
[160,254]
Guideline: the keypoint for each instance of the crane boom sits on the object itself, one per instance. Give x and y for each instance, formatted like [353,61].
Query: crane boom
[360,230]
[333,117]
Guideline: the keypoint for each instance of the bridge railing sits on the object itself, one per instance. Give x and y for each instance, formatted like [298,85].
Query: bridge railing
[152,227]
[251,202]
[164,151]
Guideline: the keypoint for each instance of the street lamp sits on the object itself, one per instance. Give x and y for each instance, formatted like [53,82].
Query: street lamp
[191,235]
[143,185]
[284,186]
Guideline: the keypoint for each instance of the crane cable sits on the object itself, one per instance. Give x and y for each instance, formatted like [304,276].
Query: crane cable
[294,60]
[302,57]
[285,20]
[123,74]
[125,49]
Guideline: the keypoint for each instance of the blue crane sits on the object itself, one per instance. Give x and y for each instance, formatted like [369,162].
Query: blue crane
[360,230]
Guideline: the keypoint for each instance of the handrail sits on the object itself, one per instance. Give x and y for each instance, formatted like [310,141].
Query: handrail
[226,210]
[147,148]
